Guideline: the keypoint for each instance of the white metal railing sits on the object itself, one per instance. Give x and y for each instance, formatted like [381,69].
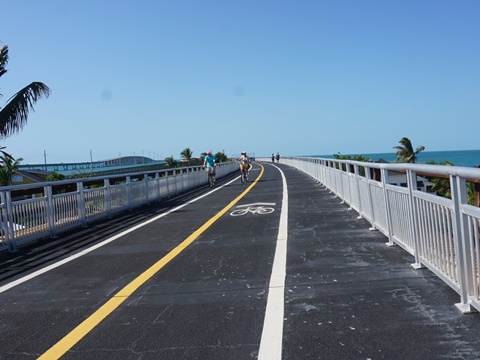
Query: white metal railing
[32,211]
[442,234]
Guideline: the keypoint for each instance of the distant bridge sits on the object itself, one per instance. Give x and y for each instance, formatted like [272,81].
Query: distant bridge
[132,163]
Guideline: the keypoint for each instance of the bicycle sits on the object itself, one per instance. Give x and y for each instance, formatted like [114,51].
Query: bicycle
[244,176]
[211,176]
[245,165]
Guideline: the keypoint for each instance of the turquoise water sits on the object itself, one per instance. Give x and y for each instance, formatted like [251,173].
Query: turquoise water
[467,158]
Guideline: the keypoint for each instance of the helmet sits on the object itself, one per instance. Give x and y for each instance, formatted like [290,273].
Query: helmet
[244,152]
[209,153]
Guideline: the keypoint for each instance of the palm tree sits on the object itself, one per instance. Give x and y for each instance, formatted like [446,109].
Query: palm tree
[9,165]
[4,154]
[405,153]
[441,186]
[220,157]
[187,154]
[15,113]
[171,163]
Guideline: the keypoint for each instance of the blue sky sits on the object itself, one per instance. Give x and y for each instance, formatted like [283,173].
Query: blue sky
[299,77]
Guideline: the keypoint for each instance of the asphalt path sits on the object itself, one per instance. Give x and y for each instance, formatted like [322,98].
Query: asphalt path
[246,271]
[206,302]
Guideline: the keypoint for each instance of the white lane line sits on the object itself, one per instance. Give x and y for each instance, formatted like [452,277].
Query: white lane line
[256,204]
[272,334]
[103,243]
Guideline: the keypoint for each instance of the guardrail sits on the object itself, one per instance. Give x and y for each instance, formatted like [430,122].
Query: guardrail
[442,234]
[33,211]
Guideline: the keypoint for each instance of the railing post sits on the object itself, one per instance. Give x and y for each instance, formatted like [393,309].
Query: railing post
[175,177]
[335,171]
[108,200]
[384,175]
[476,191]
[357,177]
[463,254]
[50,208]
[182,177]
[157,186]
[316,169]
[319,166]
[368,177]
[331,169]
[129,192]
[167,182]
[413,214]
[199,176]
[81,204]
[341,172]
[145,179]
[7,221]
[323,171]
[349,176]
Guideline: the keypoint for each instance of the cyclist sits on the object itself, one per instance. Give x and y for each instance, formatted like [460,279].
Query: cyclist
[244,161]
[209,162]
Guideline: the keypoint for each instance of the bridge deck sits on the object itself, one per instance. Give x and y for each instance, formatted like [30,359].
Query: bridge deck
[346,294]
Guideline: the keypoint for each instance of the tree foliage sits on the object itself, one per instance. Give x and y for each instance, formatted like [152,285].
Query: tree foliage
[405,152]
[8,166]
[441,186]
[13,116]
[54,176]
[187,155]
[357,157]
[220,157]
[171,162]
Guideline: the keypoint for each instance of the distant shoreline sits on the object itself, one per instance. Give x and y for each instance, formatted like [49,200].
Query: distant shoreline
[466,158]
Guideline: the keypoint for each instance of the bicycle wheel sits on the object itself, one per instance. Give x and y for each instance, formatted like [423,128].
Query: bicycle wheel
[211,182]
[242,177]
[239,212]
[265,210]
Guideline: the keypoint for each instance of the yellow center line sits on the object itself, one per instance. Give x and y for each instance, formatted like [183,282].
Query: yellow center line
[65,344]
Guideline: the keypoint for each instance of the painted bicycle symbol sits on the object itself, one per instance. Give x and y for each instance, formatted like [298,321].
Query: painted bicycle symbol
[257,208]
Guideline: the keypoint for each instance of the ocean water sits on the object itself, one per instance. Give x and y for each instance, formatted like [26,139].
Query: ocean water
[467,158]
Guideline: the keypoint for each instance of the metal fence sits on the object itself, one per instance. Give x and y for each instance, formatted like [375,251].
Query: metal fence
[441,233]
[33,211]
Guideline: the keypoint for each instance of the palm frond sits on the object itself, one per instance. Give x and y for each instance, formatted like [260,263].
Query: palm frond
[406,144]
[4,156]
[3,59]
[14,115]
[420,148]
[186,153]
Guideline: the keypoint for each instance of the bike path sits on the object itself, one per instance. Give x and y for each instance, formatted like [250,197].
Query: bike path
[207,302]
[347,294]
[350,296]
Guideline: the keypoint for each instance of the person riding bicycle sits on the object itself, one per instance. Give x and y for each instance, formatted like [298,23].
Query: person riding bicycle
[209,163]
[244,161]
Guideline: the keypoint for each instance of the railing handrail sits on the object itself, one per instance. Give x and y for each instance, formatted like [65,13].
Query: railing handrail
[103,177]
[467,172]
